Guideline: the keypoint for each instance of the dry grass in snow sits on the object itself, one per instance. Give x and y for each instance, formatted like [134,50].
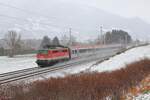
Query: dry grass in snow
[84,86]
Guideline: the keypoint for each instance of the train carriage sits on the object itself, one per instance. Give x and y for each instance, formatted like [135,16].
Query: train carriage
[50,55]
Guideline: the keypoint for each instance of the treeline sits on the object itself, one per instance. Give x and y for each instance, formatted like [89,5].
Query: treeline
[64,41]
[48,42]
[117,36]
[114,37]
[6,52]
[15,45]
[110,37]
[2,51]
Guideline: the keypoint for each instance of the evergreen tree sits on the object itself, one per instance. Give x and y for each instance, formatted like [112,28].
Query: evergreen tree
[56,41]
[45,42]
[2,51]
[117,36]
[108,37]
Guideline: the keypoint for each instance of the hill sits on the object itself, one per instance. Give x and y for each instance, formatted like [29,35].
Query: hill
[55,17]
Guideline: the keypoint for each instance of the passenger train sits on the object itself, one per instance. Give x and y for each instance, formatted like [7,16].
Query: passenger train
[51,55]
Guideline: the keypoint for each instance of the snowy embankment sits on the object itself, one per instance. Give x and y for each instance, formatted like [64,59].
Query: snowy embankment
[16,63]
[113,63]
[123,59]
[142,97]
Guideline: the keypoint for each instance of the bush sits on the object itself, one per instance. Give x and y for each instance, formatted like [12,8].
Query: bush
[83,86]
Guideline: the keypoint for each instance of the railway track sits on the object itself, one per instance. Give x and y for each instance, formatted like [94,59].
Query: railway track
[27,70]
[30,69]
[27,73]
[18,71]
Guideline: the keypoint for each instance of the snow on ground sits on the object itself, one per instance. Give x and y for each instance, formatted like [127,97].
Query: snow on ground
[121,60]
[28,61]
[16,63]
[64,72]
[74,70]
[113,63]
[142,97]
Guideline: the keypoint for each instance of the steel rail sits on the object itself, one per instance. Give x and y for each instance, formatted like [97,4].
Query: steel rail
[26,73]
[51,69]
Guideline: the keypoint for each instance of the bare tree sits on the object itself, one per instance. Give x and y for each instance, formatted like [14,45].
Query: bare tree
[98,40]
[13,41]
[65,40]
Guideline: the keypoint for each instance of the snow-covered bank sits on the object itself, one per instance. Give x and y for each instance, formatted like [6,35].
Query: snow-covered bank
[121,60]
[142,97]
[16,63]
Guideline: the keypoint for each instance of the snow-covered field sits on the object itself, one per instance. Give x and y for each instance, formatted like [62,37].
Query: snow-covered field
[16,63]
[28,61]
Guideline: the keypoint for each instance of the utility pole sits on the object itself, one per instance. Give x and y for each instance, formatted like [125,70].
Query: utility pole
[126,40]
[70,32]
[101,32]
[102,35]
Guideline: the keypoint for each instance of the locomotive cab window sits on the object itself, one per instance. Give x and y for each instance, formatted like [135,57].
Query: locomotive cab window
[55,51]
[64,50]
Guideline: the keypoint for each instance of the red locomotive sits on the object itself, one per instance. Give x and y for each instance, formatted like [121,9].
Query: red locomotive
[52,54]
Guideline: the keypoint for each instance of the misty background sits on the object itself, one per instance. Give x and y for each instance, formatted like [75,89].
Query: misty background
[35,19]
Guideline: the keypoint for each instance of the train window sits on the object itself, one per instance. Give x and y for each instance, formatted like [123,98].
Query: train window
[64,50]
[73,51]
[55,51]
[82,50]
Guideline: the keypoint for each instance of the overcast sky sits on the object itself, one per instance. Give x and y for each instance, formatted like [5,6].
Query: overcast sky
[126,8]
